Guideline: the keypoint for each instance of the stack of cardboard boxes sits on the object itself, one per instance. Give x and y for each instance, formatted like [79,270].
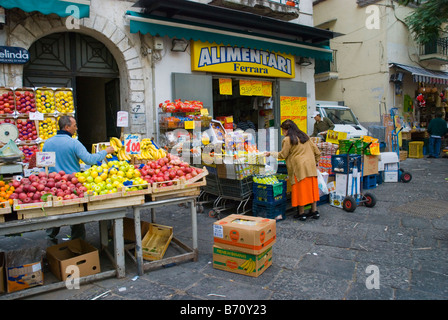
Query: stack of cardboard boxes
[243,244]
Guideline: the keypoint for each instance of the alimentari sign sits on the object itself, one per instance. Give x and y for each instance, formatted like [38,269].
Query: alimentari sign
[14,55]
[244,61]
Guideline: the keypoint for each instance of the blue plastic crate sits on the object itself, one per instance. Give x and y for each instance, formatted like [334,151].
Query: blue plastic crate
[379,177]
[270,193]
[369,182]
[339,163]
[269,211]
[323,199]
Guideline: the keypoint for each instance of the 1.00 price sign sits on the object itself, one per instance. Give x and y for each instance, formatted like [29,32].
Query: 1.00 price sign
[132,143]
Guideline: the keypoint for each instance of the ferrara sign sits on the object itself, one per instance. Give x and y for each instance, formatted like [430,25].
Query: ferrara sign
[14,55]
[226,59]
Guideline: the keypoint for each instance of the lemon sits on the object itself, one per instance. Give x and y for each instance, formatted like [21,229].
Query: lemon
[94,174]
[98,180]
[103,176]
[120,173]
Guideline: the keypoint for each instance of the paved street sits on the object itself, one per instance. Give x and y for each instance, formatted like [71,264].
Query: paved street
[404,239]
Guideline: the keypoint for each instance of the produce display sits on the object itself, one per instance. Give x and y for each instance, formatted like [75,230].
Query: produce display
[27,129]
[25,101]
[36,188]
[47,128]
[28,151]
[148,151]
[110,178]
[6,101]
[168,169]
[64,101]
[179,106]
[45,100]
[5,192]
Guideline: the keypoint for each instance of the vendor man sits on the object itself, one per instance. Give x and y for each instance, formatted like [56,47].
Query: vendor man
[68,152]
[322,125]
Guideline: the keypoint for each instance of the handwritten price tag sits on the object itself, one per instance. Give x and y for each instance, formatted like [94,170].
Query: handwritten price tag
[132,143]
[45,159]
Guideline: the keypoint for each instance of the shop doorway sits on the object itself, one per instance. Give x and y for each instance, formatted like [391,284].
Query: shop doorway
[77,61]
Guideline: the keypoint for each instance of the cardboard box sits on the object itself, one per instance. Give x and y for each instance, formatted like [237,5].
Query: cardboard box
[246,234]
[129,229]
[23,269]
[391,176]
[2,272]
[240,262]
[75,252]
[370,165]
[335,199]
[341,184]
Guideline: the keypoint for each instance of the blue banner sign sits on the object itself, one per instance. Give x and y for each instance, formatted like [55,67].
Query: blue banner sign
[14,55]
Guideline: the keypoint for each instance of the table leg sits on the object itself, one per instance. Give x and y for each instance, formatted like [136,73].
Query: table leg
[119,248]
[138,240]
[194,227]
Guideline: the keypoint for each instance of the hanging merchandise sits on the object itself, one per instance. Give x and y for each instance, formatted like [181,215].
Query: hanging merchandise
[421,100]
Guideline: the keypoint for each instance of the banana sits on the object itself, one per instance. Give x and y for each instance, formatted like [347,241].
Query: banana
[116,142]
[251,266]
[244,265]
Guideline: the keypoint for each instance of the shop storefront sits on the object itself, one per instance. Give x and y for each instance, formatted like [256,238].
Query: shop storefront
[233,71]
[423,94]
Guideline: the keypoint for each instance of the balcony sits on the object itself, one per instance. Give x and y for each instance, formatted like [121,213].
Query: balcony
[326,70]
[276,9]
[435,52]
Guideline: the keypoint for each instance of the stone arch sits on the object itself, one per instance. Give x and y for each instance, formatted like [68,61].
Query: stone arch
[115,39]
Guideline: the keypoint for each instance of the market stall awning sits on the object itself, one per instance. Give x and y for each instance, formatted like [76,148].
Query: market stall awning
[202,22]
[63,8]
[425,75]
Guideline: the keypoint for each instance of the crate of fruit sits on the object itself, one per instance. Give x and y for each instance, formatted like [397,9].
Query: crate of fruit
[270,193]
[25,100]
[7,101]
[198,180]
[64,100]
[45,102]
[139,189]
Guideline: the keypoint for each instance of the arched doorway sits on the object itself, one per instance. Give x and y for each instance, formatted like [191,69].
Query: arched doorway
[78,61]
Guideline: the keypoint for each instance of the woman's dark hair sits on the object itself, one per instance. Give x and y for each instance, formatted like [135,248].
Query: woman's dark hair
[294,133]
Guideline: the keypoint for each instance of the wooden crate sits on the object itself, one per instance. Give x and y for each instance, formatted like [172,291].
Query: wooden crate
[156,241]
[160,187]
[35,210]
[4,211]
[126,192]
[197,181]
[175,194]
[103,202]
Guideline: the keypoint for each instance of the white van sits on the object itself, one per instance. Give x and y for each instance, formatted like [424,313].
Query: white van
[344,120]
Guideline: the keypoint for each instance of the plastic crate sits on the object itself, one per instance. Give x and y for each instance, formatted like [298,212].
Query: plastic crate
[369,182]
[379,177]
[240,189]
[269,211]
[339,163]
[270,193]
[416,149]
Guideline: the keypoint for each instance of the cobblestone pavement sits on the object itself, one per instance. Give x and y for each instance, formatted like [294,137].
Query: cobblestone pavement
[403,239]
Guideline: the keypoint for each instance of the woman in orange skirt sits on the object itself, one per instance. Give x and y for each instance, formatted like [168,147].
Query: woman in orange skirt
[301,156]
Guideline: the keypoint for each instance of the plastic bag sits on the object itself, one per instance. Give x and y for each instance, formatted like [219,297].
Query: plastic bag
[323,189]
[10,150]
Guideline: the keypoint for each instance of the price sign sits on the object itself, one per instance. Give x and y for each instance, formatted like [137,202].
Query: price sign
[36,116]
[122,119]
[45,159]
[132,143]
